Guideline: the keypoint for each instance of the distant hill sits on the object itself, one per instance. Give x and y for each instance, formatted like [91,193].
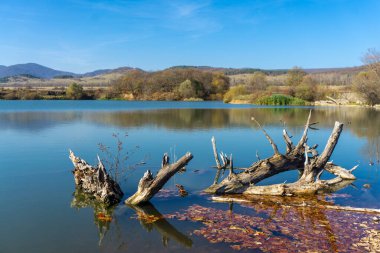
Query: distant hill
[96,72]
[233,71]
[31,69]
[106,71]
[39,71]
[238,71]
[336,70]
[35,75]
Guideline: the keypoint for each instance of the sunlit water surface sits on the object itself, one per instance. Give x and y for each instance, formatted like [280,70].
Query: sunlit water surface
[40,212]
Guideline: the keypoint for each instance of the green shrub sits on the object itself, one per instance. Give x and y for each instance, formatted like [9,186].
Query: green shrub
[307,90]
[74,91]
[280,99]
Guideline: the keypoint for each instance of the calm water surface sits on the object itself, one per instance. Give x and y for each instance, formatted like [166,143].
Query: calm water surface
[41,212]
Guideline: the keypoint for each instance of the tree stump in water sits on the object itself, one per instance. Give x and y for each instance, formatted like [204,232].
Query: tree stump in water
[95,181]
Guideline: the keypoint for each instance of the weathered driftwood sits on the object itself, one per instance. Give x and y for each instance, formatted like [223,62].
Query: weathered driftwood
[149,185]
[95,181]
[300,156]
[237,183]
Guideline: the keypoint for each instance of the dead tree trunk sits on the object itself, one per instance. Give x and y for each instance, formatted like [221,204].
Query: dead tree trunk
[95,181]
[296,157]
[309,182]
[149,185]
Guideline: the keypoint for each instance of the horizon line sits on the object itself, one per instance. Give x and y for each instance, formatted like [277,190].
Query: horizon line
[184,66]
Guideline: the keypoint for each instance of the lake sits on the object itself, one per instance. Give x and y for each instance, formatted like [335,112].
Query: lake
[41,211]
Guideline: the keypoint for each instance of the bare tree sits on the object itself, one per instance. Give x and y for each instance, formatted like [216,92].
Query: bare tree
[367,83]
[257,81]
[372,56]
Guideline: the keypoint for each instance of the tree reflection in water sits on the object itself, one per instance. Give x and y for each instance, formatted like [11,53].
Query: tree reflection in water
[363,122]
[103,215]
[148,216]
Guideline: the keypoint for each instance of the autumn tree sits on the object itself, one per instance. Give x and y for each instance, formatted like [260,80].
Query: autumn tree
[307,89]
[234,92]
[172,83]
[186,89]
[367,83]
[220,83]
[74,91]
[294,78]
[131,83]
[257,82]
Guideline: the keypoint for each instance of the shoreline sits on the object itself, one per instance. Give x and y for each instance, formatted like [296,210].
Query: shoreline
[316,104]
[233,102]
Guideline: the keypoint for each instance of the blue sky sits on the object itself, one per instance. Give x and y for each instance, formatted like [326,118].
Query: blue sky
[84,35]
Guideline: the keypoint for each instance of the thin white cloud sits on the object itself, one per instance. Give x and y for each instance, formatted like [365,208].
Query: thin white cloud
[188,18]
[184,9]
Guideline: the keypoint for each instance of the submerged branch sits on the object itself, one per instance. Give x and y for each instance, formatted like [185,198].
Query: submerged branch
[313,204]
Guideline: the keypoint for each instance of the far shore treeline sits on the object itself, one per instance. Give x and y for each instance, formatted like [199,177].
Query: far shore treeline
[171,84]
[358,85]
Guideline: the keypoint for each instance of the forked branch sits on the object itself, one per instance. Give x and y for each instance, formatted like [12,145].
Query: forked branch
[150,185]
[300,145]
[272,143]
[300,157]
[288,141]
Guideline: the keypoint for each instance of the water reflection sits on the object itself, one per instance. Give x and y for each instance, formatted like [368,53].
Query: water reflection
[363,122]
[34,160]
[103,215]
[148,216]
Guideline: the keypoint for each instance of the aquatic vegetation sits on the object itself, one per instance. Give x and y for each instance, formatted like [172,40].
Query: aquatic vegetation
[283,228]
[104,217]
[371,242]
[279,99]
[167,193]
[147,218]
